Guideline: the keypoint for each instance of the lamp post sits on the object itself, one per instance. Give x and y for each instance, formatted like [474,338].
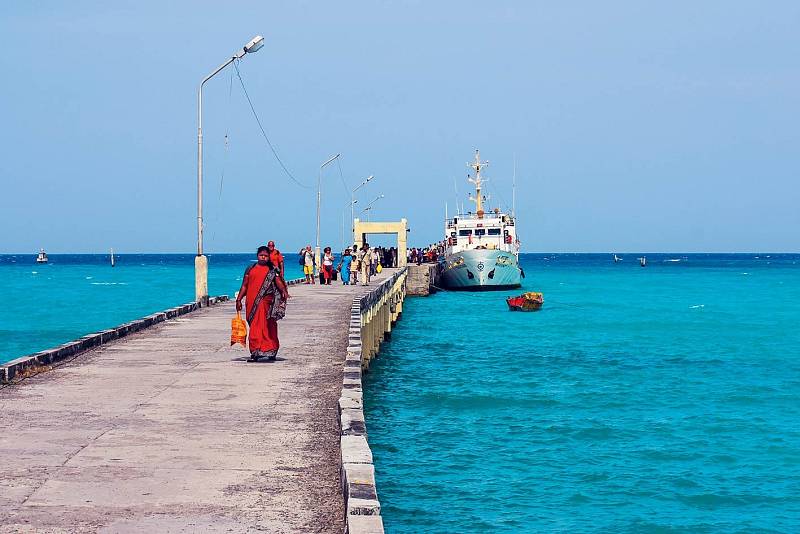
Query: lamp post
[369,206]
[319,197]
[353,201]
[201,262]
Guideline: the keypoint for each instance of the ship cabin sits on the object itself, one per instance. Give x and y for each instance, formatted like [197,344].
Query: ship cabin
[493,231]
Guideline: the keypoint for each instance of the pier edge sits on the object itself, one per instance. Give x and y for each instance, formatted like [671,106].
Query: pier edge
[371,319]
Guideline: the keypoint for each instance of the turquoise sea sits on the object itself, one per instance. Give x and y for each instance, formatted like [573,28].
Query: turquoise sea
[45,305]
[658,399]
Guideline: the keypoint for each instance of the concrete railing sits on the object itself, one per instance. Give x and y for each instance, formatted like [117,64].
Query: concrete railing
[371,320]
[46,358]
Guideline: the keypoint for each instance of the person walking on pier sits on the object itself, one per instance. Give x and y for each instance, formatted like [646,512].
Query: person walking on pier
[327,265]
[373,261]
[276,258]
[354,266]
[266,295]
[308,262]
[365,263]
[344,266]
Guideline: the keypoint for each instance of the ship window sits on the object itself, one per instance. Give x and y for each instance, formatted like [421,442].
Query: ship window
[464,232]
[480,231]
[494,231]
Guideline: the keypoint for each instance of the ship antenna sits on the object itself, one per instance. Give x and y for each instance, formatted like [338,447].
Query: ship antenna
[514,189]
[478,165]
[455,187]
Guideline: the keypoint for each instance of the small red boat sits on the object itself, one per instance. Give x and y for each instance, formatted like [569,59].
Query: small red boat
[530,301]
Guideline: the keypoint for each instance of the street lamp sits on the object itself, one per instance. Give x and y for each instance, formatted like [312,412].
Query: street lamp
[369,206]
[201,262]
[353,201]
[319,197]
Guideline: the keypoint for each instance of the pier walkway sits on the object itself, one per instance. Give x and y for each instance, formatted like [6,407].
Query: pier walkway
[172,430]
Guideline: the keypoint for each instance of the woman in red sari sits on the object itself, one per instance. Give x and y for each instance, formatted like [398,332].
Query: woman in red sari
[263,289]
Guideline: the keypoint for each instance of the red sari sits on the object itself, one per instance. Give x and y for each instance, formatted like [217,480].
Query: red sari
[263,332]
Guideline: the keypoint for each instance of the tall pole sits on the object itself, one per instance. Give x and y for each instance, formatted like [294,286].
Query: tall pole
[369,206]
[353,201]
[200,261]
[319,198]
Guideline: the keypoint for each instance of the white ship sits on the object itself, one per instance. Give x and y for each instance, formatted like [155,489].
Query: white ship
[42,257]
[482,250]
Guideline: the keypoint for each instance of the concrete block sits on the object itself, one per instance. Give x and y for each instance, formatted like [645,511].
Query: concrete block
[351,423]
[367,506]
[353,380]
[349,403]
[16,366]
[65,351]
[353,394]
[355,450]
[45,357]
[364,524]
[360,474]
[108,335]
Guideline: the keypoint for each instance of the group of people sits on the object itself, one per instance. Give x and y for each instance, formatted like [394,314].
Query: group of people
[356,263]
[429,254]
[264,292]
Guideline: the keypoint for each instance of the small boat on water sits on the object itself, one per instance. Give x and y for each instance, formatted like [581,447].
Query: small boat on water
[530,301]
[113,262]
[617,259]
[643,261]
[42,257]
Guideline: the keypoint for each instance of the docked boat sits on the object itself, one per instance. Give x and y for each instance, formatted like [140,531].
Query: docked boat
[530,301]
[42,257]
[482,249]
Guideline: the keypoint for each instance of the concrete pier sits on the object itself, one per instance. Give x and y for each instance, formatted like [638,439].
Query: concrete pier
[171,430]
[423,279]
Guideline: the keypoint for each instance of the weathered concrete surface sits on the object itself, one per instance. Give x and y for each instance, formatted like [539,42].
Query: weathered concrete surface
[422,279]
[171,430]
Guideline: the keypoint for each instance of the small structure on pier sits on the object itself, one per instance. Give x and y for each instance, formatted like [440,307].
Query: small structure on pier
[363,228]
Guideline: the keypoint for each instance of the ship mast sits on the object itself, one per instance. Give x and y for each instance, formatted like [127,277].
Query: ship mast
[478,199]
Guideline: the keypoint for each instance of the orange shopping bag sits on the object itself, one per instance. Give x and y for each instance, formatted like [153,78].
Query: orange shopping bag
[238,330]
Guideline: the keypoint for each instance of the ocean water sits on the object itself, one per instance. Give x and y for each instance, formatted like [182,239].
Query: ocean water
[77,294]
[658,399]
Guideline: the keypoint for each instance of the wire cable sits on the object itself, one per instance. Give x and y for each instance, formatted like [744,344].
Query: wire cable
[341,175]
[224,158]
[264,133]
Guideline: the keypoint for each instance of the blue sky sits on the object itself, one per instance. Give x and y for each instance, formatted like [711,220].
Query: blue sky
[635,127]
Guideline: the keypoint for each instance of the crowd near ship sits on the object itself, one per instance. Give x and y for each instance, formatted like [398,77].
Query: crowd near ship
[482,249]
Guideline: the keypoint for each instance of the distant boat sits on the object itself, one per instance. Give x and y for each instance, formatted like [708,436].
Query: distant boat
[112,258]
[643,261]
[42,257]
[617,259]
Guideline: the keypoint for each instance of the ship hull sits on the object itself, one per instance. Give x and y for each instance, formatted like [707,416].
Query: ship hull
[480,270]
